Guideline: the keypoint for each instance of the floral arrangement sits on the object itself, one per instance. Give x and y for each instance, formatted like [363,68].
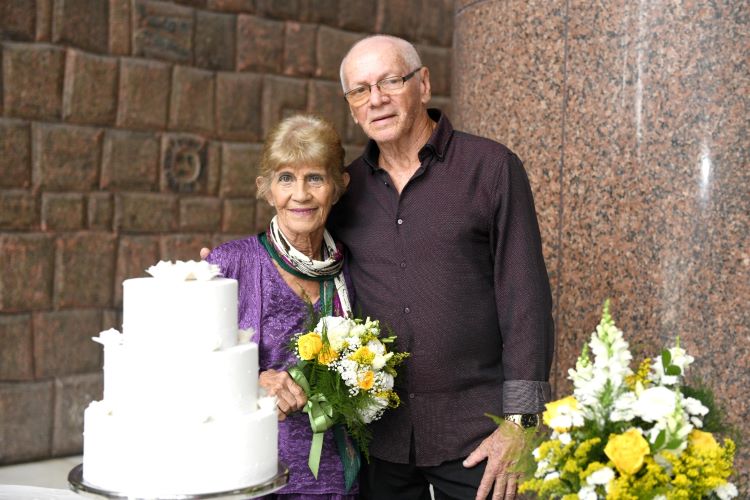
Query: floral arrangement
[347,374]
[630,435]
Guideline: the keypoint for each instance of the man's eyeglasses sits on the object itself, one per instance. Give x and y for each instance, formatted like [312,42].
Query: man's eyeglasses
[358,95]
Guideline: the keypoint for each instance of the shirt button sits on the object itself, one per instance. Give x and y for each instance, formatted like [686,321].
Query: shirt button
[411,395]
[407,310]
[403,265]
[400,221]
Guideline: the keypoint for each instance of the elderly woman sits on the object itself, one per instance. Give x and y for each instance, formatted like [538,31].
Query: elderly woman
[279,271]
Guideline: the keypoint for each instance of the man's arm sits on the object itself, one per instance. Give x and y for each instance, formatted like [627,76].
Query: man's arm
[524,311]
[522,294]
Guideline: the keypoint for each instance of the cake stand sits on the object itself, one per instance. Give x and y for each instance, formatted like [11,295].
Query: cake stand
[77,484]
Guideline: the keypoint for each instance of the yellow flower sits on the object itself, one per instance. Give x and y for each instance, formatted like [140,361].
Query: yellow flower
[554,410]
[363,356]
[327,355]
[703,441]
[309,345]
[366,380]
[627,451]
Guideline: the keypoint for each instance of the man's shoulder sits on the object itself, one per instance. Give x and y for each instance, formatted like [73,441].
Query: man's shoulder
[480,145]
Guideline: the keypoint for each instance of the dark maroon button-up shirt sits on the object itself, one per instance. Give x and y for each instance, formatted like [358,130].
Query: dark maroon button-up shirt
[454,266]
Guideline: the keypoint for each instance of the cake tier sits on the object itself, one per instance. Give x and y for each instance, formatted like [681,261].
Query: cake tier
[152,459]
[198,315]
[192,385]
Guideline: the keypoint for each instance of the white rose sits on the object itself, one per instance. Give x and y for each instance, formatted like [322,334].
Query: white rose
[655,404]
[337,329]
[385,381]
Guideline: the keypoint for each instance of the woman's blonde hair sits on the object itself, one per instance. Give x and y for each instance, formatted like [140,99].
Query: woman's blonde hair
[303,139]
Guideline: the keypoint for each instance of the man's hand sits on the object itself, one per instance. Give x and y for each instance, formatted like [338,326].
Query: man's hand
[204,253]
[501,449]
[290,396]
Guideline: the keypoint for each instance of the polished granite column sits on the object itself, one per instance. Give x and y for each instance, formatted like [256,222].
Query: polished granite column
[632,120]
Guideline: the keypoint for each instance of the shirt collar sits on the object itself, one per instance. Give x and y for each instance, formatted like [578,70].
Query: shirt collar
[436,145]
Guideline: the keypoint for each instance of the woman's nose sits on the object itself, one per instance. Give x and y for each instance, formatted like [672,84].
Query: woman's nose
[301,191]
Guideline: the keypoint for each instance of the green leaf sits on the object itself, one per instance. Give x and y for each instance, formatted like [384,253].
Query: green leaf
[495,418]
[666,358]
[673,370]
[674,444]
[660,439]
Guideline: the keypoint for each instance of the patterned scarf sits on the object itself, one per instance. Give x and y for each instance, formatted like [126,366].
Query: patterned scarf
[334,297]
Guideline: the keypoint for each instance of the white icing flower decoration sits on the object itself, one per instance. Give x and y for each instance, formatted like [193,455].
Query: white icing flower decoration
[184,271]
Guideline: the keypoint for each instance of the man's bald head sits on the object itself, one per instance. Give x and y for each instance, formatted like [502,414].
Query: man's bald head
[405,50]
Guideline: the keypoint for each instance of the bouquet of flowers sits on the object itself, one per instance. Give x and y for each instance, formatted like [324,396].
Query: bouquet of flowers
[347,374]
[630,435]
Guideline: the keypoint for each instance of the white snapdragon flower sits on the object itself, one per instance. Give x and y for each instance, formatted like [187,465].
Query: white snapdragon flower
[622,410]
[679,358]
[564,437]
[655,404]
[587,493]
[695,410]
[603,476]
[726,491]
[551,476]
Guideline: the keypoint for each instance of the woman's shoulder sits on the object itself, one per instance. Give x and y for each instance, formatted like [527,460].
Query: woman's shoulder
[237,246]
[231,256]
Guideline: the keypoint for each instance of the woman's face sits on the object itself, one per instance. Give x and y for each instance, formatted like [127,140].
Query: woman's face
[302,196]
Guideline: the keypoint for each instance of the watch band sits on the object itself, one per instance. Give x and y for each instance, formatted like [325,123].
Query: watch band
[525,420]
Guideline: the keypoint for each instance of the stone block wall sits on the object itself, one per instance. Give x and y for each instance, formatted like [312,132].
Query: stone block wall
[130,132]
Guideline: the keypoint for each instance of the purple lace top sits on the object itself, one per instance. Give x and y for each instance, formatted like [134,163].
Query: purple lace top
[267,304]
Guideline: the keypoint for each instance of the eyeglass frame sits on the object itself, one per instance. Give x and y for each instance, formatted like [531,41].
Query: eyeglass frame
[369,87]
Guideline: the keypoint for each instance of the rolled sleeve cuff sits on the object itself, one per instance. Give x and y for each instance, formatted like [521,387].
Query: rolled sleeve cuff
[525,396]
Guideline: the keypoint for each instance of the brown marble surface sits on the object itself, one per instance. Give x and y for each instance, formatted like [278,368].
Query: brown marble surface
[632,122]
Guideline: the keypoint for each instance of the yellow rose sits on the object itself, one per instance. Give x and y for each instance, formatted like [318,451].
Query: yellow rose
[327,355]
[309,345]
[554,410]
[703,442]
[366,380]
[627,450]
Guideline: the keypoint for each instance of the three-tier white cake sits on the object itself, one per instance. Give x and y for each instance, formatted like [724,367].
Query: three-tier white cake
[181,412]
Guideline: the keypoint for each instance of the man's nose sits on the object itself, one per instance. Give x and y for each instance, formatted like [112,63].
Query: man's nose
[377,96]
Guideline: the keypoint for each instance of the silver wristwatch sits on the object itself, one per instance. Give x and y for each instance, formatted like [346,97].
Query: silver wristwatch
[525,420]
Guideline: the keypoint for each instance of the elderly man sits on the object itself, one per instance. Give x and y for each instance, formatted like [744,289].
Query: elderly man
[445,249]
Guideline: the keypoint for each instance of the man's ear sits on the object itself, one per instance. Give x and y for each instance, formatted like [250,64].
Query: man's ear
[425,89]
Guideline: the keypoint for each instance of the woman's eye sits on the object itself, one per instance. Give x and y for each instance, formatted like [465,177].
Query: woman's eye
[316,179]
[285,178]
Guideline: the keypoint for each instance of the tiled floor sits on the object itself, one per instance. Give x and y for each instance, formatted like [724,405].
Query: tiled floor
[47,473]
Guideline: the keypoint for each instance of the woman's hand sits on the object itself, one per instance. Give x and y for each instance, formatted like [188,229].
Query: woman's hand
[290,396]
